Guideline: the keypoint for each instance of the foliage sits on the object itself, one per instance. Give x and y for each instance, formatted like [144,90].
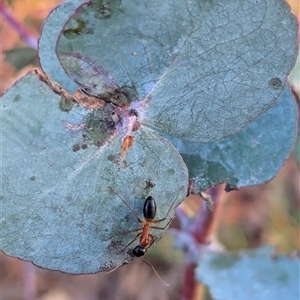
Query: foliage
[194,73]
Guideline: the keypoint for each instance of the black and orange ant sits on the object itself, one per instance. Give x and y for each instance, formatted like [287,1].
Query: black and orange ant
[146,238]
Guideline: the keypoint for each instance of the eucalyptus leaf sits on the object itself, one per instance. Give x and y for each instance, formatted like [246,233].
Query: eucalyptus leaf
[250,157]
[251,274]
[47,43]
[204,69]
[60,197]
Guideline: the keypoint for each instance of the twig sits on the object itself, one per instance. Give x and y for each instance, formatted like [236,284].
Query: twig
[197,234]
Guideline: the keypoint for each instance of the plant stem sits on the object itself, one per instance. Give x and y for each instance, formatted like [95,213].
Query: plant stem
[198,232]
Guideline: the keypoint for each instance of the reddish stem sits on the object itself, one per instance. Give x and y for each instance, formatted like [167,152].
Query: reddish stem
[202,223]
[199,230]
[189,283]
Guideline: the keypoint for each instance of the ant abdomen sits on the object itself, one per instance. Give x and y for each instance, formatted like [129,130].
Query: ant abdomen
[149,210]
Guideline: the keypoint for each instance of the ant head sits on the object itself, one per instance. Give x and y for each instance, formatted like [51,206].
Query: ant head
[139,251]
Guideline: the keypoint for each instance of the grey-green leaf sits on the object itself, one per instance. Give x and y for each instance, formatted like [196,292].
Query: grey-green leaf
[250,157]
[205,68]
[58,209]
[251,274]
[47,43]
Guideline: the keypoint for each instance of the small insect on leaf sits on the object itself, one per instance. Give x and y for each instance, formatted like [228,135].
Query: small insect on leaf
[131,124]
[149,213]
[146,238]
[126,144]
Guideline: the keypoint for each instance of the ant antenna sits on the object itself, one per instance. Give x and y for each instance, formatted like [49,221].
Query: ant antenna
[117,267]
[166,284]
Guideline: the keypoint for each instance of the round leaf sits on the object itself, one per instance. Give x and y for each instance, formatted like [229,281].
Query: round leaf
[205,69]
[60,204]
[47,43]
[252,274]
[250,157]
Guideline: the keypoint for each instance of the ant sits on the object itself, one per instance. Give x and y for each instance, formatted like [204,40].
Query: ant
[146,238]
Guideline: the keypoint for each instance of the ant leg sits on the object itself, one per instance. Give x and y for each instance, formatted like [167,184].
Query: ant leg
[162,228]
[160,220]
[132,240]
[152,240]
[128,206]
[126,232]
[166,284]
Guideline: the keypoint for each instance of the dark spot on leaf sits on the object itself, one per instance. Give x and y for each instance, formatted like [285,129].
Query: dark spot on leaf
[76,147]
[80,225]
[275,83]
[121,96]
[32,178]
[54,208]
[114,159]
[99,126]
[72,32]
[17,98]
[69,199]
[111,157]
[171,171]
[113,244]
[105,9]
[149,184]
[65,104]
[127,218]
